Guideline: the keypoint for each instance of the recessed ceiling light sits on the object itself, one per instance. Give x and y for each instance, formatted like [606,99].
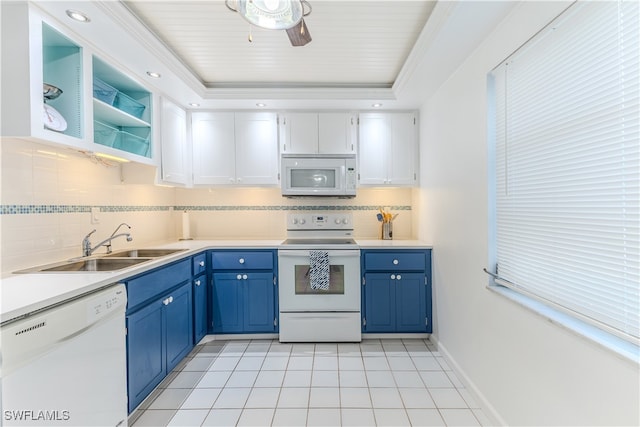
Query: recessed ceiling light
[194,104]
[376,105]
[77,15]
[154,74]
[261,104]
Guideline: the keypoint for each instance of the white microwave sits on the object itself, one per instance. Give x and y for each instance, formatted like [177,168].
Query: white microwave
[306,175]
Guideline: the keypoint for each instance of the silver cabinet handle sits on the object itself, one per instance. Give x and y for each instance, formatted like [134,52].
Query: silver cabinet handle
[165,301]
[239,277]
[244,276]
[170,300]
[201,263]
[399,277]
[241,260]
[395,262]
[393,277]
[197,282]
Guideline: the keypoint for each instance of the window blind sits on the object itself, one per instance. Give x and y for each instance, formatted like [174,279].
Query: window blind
[567,166]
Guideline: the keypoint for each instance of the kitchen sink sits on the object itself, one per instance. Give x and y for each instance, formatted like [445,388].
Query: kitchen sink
[143,253]
[86,265]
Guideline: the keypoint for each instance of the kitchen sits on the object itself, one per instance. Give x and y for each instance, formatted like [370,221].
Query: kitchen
[448,209]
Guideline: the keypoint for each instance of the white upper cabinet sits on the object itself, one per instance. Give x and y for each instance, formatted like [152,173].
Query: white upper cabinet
[299,133]
[337,133]
[173,137]
[318,133]
[235,149]
[256,148]
[214,152]
[56,90]
[388,149]
[36,52]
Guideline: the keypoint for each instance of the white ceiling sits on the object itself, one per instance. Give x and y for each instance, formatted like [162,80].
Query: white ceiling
[355,43]
[397,52]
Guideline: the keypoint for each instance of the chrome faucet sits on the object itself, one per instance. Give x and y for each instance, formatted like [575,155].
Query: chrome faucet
[87,250]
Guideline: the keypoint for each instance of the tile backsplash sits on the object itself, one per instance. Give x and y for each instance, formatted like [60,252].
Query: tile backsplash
[48,195]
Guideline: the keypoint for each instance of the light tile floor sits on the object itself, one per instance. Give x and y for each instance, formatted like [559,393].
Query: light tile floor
[389,382]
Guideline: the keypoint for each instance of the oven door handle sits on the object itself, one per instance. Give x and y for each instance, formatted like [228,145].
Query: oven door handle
[332,253]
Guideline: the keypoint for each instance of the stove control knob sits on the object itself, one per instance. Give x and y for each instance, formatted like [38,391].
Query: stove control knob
[302,221]
[338,221]
[295,220]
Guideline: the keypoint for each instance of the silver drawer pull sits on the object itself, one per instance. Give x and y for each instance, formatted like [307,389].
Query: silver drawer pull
[201,263]
[239,277]
[241,260]
[197,282]
[244,276]
[395,262]
[393,277]
[399,277]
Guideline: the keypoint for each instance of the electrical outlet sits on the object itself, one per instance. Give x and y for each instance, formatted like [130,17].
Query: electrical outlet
[95,215]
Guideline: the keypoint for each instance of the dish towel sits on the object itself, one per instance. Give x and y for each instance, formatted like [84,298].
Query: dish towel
[319,270]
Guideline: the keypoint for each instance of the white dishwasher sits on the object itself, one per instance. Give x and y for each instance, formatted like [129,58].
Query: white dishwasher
[66,365]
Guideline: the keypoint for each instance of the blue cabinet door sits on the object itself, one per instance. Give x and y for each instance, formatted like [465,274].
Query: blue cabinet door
[179,325]
[199,308]
[411,308]
[259,307]
[380,303]
[145,352]
[227,303]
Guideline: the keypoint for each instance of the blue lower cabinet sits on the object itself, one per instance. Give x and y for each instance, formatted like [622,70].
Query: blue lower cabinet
[397,300]
[199,308]
[227,303]
[159,335]
[179,325]
[243,302]
[380,303]
[411,302]
[145,354]
[258,307]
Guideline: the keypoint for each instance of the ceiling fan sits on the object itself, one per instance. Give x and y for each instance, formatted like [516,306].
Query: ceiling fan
[276,15]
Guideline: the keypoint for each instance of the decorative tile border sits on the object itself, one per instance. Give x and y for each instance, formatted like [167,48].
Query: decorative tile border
[65,209]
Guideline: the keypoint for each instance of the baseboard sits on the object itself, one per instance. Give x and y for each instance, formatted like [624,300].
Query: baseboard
[237,337]
[486,406]
[366,336]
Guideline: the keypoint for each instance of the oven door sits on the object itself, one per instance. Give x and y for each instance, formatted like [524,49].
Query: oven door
[296,293]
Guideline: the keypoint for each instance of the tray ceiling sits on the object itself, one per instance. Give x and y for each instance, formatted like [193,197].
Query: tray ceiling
[356,44]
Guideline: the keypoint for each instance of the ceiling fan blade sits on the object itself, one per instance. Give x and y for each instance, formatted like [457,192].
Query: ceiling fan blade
[299,35]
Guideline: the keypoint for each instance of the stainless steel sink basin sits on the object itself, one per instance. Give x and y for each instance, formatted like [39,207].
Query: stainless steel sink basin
[143,253]
[86,265]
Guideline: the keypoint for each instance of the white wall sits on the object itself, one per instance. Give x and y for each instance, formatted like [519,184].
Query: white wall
[527,370]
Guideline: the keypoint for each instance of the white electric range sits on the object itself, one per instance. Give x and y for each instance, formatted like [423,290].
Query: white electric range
[327,310]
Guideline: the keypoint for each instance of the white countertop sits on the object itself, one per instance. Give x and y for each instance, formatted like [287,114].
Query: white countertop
[21,294]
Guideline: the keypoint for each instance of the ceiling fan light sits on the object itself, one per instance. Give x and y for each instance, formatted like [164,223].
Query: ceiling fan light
[271,14]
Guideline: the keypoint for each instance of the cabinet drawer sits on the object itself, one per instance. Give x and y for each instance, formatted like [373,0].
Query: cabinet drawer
[149,285]
[242,260]
[394,261]
[199,263]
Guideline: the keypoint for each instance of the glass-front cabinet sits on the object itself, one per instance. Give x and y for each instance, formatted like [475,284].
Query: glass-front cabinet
[55,89]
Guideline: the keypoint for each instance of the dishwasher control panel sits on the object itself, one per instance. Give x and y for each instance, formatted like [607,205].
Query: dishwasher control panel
[106,303]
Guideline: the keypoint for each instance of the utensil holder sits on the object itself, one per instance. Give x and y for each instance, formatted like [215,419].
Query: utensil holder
[387,231]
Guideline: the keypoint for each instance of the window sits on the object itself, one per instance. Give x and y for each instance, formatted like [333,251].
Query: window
[566,161]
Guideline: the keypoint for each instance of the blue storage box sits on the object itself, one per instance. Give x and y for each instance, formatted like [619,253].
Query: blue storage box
[103,91]
[104,134]
[132,143]
[129,105]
